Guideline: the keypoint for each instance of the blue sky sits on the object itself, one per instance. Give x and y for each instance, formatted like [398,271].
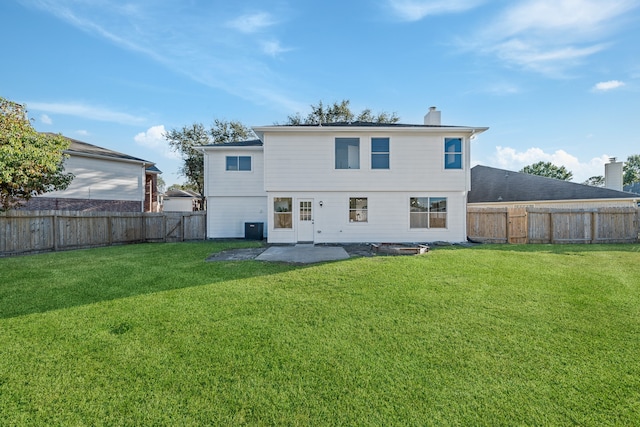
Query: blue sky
[555,80]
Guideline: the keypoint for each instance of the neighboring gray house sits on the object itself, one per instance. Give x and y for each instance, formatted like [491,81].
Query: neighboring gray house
[492,187]
[105,180]
[633,188]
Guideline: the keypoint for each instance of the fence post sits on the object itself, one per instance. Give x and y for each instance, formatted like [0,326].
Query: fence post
[144,227]
[594,228]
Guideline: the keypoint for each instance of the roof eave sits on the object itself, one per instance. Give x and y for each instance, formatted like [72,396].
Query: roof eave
[260,130]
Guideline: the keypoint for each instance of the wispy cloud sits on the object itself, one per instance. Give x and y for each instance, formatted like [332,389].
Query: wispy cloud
[87,111]
[153,138]
[607,86]
[512,159]
[197,42]
[415,10]
[46,119]
[274,48]
[550,36]
[252,23]
[82,132]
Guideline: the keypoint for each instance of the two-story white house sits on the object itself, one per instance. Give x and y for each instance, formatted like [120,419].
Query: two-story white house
[343,182]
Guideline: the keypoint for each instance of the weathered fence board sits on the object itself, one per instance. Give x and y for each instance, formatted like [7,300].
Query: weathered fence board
[42,231]
[545,225]
[487,224]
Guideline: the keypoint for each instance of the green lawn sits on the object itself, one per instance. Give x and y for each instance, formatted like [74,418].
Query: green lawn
[154,335]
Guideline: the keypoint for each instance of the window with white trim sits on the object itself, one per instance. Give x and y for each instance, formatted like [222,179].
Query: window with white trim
[238,163]
[347,153]
[358,209]
[282,214]
[453,153]
[428,212]
[379,153]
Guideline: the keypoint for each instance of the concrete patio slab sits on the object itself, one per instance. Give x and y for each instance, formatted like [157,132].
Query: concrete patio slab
[303,254]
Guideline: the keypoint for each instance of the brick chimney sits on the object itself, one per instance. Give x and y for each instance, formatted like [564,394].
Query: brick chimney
[432,117]
[613,174]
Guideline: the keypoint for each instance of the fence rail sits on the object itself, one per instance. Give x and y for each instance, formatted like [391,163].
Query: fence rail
[42,231]
[545,225]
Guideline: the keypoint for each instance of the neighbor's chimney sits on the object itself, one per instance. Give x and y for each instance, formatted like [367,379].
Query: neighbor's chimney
[613,174]
[433,117]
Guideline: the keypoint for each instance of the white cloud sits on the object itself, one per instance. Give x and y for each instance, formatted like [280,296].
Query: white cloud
[194,43]
[87,112]
[82,132]
[46,119]
[154,139]
[273,48]
[252,23]
[551,36]
[607,86]
[568,18]
[511,159]
[415,10]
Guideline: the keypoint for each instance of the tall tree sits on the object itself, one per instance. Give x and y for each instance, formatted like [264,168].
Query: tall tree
[185,141]
[31,163]
[339,112]
[631,170]
[549,170]
[595,181]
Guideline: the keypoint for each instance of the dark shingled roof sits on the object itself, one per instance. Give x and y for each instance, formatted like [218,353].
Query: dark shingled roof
[370,124]
[181,193]
[499,185]
[633,188]
[250,143]
[81,147]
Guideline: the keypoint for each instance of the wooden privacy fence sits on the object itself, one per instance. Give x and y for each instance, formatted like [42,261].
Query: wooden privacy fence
[42,231]
[545,225]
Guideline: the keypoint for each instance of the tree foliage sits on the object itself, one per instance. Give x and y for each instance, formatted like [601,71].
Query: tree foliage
[185,141]
[340,112]
[31,163]
[631,170]
[595,181]
[549,170]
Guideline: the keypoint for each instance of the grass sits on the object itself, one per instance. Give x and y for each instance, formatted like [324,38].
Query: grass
[153,335]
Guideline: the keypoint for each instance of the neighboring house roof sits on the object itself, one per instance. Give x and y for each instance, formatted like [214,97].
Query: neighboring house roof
[499,185]
[181,193]
[82,148]
[633,188]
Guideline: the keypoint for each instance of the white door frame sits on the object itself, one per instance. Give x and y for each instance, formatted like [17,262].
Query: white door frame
[305,222]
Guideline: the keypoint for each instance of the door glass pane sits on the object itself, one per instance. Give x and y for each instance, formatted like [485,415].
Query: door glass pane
[305,210]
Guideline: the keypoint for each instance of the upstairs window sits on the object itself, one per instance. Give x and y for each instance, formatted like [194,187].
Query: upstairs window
[347,153]
[428,212]
[379,153]
[238,163]
[453,153]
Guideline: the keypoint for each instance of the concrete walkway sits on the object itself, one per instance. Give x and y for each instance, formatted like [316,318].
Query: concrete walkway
[303,254]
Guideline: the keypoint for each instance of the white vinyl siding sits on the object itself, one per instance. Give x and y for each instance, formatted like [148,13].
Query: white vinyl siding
[226,215]
[98,179]
[306,162]
[222,183]
[387,219]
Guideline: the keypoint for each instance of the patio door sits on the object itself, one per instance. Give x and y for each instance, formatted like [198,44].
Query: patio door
[305,220]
